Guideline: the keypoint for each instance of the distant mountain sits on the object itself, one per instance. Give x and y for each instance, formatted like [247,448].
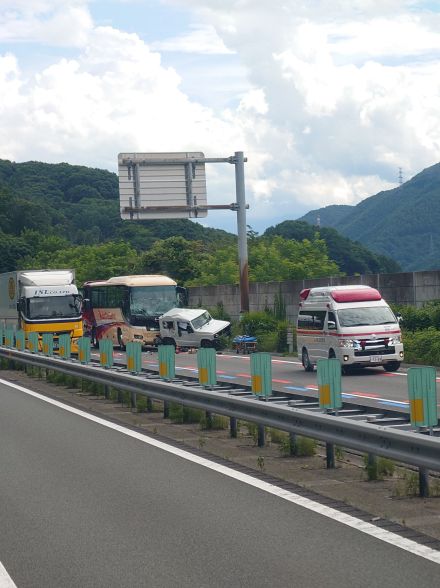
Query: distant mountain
[402,223]
[351,257]
[81,204]
[329,216]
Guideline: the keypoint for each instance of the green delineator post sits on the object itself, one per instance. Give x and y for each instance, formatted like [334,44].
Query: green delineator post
[167,362]
[134,357]
[261,374]
[20,340]
[207,366]
[64,346]
[33,342]
[9,337]
[84,349]
[422,392]
[329,383]
[48,344]
[106,353]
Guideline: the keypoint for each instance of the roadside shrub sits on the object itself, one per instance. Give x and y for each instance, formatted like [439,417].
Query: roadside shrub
[258,323]
[267,342]
[419,319]
[218,312]
[378,468]
[305,446]
[422,347]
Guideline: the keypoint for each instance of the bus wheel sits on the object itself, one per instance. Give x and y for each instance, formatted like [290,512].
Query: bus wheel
[306,361]
[392,366]
[121,341]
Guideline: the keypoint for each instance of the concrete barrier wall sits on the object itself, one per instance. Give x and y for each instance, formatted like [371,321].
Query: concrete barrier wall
[410,288]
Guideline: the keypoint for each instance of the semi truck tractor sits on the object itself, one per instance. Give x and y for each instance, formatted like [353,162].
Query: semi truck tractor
[42,301]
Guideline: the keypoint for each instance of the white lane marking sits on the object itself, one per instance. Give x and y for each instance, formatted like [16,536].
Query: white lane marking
[5,578]
[331,513]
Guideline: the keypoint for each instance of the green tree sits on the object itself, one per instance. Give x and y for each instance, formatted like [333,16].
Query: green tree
[175,257]
[91,262]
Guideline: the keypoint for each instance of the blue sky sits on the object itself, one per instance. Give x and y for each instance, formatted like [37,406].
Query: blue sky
[327,98]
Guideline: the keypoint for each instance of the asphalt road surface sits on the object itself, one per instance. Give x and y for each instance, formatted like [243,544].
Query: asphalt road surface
[368,386]
[89,504]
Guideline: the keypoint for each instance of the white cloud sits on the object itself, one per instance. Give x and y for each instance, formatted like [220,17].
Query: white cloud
[339,94]
[201,39]
[54,22]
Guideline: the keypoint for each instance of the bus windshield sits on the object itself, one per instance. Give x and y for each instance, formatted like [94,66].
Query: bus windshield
[151,301]
[54,307]
[369,316]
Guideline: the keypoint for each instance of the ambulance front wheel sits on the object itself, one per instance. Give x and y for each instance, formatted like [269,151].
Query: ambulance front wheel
[392,366]
[308,366]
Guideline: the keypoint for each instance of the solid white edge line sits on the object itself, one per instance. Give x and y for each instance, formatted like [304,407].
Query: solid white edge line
[5,578]
[345,519]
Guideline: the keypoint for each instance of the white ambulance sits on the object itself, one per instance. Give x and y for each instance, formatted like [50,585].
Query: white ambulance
[351,323]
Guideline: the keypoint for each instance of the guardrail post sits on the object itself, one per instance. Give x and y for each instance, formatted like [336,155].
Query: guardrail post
[208,418]
[233,429]
[330,455]
[133,400]
[423,483]
[166,409]
[292,444]
[261,436]
[149,404]
[106,391]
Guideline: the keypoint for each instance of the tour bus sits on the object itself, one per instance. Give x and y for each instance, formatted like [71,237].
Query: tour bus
[127,308]
[351,323]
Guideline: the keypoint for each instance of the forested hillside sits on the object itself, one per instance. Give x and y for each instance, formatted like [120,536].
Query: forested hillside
[401,223]
[351,256]
[59,215]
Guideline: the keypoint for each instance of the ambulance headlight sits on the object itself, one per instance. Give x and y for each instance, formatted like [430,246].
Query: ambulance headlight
[347,343]
[395,340]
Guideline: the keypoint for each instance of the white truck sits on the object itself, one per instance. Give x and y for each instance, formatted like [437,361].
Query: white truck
[42,301]
[353,324]
[191,327]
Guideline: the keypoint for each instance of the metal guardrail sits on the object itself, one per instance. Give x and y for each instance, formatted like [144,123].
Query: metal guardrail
[407,447]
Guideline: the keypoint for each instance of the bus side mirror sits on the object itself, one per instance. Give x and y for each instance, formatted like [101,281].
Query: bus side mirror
[85,304]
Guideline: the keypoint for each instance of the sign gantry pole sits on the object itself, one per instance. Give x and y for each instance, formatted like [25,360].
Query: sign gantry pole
[242,231]
[173,185]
